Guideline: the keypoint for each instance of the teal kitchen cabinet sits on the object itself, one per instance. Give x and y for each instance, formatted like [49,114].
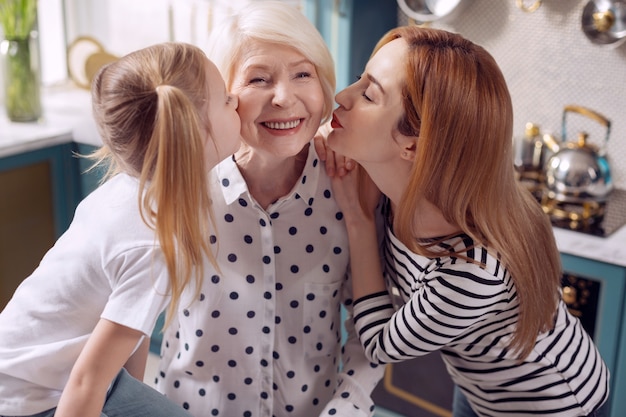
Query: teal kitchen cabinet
[351,29]
[39,190]
[599,301]
[89,179]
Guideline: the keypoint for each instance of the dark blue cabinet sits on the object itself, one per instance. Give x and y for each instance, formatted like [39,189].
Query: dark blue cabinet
[39,191]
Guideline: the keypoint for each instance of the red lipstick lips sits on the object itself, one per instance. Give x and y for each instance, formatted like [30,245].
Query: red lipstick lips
[335,123]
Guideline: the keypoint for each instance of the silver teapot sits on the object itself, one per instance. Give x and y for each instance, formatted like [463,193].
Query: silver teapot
[577,171]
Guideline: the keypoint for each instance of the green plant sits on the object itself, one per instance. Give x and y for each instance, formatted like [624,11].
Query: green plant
[17,17]
[20,56]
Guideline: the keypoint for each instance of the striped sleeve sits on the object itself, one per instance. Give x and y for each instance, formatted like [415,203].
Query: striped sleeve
[449,302]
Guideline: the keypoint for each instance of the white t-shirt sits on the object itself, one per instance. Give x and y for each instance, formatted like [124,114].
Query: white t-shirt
[106,265]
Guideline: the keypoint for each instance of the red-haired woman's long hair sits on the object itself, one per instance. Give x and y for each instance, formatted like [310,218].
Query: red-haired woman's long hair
[458,106]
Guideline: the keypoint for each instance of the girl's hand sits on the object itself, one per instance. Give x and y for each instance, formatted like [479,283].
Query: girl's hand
[335,164]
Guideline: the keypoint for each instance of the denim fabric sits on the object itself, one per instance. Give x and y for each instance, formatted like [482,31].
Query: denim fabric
[128,397]
[460,406]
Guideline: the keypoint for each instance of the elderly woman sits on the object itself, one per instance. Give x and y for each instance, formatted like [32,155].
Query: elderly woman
[264,335]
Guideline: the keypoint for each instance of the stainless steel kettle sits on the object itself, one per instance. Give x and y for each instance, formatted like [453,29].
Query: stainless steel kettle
[577,171]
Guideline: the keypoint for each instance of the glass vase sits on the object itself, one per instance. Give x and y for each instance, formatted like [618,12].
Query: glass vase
[22,78]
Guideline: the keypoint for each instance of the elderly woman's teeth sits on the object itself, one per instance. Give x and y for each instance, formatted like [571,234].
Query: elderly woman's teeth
[282,125]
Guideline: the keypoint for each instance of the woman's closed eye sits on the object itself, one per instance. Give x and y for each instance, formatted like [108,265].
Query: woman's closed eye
[364,93]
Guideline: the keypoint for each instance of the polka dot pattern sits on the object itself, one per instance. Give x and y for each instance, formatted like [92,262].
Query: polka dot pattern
[267,328]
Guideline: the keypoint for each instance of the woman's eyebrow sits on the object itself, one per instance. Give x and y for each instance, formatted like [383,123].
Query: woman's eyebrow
[374,81]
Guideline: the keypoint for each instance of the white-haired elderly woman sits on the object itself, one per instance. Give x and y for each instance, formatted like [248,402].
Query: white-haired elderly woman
[264,338]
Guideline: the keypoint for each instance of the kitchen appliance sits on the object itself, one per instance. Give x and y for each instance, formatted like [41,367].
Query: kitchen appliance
[581,295]
[424,11]
[593,218]
[578,171]
[577,189]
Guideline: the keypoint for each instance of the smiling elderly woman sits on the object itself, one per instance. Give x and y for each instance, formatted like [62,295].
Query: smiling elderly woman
[265,337]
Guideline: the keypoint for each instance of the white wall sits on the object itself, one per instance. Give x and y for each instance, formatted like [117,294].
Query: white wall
[126,25]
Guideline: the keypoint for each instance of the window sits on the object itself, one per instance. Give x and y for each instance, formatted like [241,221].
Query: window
[122,26]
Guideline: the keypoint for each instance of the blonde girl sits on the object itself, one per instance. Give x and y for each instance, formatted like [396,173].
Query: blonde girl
[75,332]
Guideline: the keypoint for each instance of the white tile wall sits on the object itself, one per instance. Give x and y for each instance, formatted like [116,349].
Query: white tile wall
[549,63]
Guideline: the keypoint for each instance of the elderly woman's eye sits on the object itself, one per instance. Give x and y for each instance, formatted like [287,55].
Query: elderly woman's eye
[303,74]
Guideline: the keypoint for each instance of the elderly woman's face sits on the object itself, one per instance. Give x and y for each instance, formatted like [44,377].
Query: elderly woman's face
[280,98]
[364,124]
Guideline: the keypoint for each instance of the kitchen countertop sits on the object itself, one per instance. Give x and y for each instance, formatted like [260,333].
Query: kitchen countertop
[611,249]
[67,118]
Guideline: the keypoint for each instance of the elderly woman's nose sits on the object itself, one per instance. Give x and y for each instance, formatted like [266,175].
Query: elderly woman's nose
[283,94]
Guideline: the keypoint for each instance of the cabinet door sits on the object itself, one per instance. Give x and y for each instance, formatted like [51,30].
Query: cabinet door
[38,190]
[610,323]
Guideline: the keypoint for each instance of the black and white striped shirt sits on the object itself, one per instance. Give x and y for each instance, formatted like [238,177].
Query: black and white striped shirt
[468,312]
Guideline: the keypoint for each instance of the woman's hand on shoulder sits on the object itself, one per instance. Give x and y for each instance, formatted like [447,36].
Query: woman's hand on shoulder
[336,164]
[357,196]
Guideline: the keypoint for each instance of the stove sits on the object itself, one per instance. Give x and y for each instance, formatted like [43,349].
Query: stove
[598,219]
